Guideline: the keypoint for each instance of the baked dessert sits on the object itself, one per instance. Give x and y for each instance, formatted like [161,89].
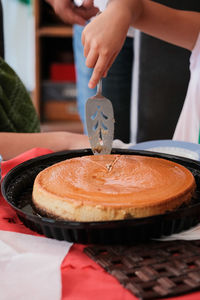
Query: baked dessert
[111,187]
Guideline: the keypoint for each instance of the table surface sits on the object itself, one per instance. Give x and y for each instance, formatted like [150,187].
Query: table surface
[81,277]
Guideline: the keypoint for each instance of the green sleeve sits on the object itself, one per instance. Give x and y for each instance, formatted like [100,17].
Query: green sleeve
[17,113]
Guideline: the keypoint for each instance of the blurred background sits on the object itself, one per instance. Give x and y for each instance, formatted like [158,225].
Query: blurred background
[38,45]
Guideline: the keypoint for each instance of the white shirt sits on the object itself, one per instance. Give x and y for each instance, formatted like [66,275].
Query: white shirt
[188,125]
[101,4]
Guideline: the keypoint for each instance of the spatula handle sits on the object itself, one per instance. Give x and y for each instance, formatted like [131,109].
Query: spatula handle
[99,87]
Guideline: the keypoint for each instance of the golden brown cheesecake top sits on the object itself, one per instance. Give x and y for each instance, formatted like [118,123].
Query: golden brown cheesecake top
[116,180]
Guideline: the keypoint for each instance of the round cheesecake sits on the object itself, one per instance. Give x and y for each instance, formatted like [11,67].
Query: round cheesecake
[111,187]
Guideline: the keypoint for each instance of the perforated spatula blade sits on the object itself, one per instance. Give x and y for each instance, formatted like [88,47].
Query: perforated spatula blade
[100,123]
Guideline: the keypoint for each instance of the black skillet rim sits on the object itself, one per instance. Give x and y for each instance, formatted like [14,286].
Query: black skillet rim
[185,212]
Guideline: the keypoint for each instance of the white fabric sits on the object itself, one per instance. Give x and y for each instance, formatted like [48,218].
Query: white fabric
[30,266]
[121,145]
[188,124]
[101,4]
[187,235]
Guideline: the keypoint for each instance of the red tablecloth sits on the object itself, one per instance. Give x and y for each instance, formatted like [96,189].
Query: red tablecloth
[82,278]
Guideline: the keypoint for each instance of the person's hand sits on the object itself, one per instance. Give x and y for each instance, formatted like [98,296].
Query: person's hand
[70,13]
[102,39]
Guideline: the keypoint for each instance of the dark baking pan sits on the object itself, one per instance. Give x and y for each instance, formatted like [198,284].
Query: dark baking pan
[17,190]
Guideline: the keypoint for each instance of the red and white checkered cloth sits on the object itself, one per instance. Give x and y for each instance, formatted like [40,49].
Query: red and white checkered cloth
[37,268]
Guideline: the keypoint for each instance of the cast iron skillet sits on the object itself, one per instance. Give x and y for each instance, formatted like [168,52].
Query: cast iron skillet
[17,188]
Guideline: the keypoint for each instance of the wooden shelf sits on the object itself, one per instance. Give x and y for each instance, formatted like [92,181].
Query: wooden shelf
[53,45]
[54,31]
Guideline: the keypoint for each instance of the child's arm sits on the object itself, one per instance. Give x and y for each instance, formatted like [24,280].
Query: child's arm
[177,27]
[104,36]
[12,144]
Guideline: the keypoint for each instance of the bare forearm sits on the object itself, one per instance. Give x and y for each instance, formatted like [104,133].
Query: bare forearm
[178,27]
[12,144]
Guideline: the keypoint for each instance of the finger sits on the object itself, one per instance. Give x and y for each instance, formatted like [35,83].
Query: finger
[110,64]
[79,20]
[85,43]
[88,3]
[86,46]
[83,38]
[70,14]
[98,72]
[87,13]
[86,50]
[91,59]
[73,18]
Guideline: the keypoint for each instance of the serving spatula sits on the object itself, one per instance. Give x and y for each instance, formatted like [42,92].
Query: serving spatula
[100,122]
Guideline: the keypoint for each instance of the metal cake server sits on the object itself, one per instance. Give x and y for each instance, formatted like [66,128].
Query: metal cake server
[100,122]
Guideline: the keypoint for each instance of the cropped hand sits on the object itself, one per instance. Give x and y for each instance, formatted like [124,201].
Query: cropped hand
[102,39]
[70,13]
